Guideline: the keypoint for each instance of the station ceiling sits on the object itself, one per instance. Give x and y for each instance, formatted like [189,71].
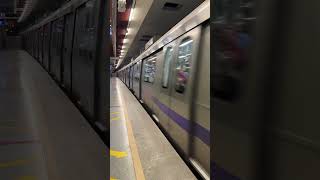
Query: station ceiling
[160,18]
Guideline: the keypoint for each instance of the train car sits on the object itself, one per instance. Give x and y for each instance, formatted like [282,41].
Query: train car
[172,79]
[56,48]
[65,44]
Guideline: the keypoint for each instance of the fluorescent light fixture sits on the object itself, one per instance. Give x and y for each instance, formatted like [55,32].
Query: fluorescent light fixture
[186,43]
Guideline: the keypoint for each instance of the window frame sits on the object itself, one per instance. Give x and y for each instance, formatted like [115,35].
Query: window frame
[167,50]
[145,61]
[183,40]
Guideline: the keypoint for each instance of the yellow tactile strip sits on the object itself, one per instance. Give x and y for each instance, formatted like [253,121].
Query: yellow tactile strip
[133,147]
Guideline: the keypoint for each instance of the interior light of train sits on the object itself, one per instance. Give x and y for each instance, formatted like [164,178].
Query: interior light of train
[186,43]
[153,58]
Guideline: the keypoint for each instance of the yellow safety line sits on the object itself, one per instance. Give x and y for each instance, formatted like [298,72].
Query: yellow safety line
[115,118]
[114,112]
[112,178]
[13,163]
[118,154]
[133,146]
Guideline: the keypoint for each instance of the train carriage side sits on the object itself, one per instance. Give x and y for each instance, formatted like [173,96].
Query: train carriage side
[182,111]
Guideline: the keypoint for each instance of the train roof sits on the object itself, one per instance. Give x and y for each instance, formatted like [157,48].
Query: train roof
[196,17]
[66,9]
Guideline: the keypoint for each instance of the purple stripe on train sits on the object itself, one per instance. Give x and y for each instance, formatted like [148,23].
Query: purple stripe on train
[219,173]
[202,133]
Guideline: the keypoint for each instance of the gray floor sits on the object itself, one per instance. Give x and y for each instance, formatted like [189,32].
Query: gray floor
[158,158]
[42,134]
[121,167]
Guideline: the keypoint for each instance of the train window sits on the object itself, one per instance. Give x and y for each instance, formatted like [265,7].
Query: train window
[137,72]
[166,68]
[183,65]
[150,70]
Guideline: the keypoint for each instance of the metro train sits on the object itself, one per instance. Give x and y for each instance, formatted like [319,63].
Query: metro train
[265,102]
[65,45]
[172,80]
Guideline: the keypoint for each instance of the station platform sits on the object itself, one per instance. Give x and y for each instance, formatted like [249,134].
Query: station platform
[139,150]
[42,134]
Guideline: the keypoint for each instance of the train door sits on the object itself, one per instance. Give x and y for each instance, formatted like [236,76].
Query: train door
[67,50]
[131,77]
[36,44]
[41,45]
[122,76]
[130,80]
[46,46]
[200,106]
[164,75]
[32,42]
[56,48]
[148,80]
[182,88]
[128,76]
[83,53]
[136,79]
[125,76]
